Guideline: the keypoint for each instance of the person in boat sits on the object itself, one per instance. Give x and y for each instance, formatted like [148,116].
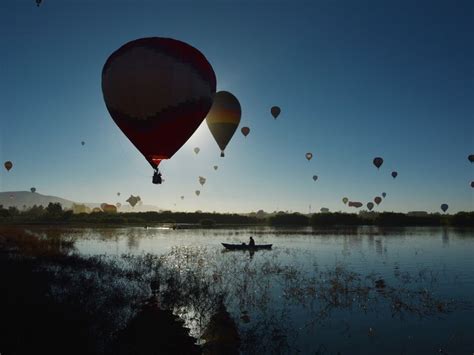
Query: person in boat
[251,242]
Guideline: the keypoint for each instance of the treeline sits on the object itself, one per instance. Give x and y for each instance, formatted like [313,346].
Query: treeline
[54,213]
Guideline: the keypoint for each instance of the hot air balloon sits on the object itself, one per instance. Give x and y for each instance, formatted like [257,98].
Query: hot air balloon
[394,174]
[182,197]
[344,200]
[378,162]
[83,143]
[315,177]
[245,131]
[33,189]
[38,2]
[197,192]
[202,180]
[196,150]
[118,193]
[223,118]
[275,111]
[377,200]
[158,91]
[215,167]
[370,205]
[472,183]
[309,156]
[133,200]
[444,207]
[384,194]
[355,204]
[8,165]
[471,158]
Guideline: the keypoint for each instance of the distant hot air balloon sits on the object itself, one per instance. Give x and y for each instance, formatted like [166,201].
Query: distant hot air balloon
[345,200]
[196,150]
[370,205]
[275,111]
[223,118]
[315,177]
[215,167]
[355,204]
[133,200]
[444,207]
[378,162]
[82,143]
[38,2]
[472,183]
[197,192]
[118,193]
[182,197]
[8,165]
[33,189]
[394,174]
[158,91]
[384,194]
[202,180]
[309,156]
[245,131]
[471,158]
[377,200]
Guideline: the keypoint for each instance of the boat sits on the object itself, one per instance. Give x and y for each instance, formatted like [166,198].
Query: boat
[246,246]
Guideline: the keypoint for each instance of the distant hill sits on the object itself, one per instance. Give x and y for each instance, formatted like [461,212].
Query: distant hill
[27,199]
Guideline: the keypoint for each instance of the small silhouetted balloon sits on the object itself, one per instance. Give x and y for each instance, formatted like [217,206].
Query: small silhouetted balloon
[182,197]
[471,158]
[202,180]
[33,189]
[377,200]
[394,174]
[215,167]
[82,143]
[8,165]
[196,150]
[344,200]
[38,2]
[472,183]
[309,156]
[378,161]
[370,205]
[355,204]
[275,110]
[245,131]
[384,194]
[315,177]
[197,192]
[118,193]
[444,207]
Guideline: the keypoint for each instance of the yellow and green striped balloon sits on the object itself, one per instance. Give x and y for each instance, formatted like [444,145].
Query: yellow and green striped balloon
[223,118]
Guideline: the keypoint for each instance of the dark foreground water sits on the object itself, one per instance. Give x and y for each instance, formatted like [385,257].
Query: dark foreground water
[352,291]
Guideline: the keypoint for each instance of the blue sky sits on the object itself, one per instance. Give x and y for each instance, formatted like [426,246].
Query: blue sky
[354,80]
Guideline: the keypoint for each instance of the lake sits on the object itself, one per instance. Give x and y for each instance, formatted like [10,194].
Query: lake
[365,290]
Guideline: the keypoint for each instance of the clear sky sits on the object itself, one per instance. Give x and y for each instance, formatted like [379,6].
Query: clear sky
[355,79]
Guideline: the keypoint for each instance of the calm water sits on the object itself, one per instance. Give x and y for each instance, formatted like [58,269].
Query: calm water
[365,290]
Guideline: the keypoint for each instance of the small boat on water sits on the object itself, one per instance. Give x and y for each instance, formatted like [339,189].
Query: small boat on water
[246,246]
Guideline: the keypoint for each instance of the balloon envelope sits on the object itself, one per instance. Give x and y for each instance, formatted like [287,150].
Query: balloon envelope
[133,200]
[82,143]
[197,192]
[196,150]
[33,189]
[223,118]
[202,180]
[471,158]
[472,183]
[215,167]
[444,207]
[394,174]
[275,111]
[8,165]
[245,131]
[182,197]
[315,177]
[384,194]
[355,204]
[158,91]
[377,200]
[344,200]
[309,156]
[378,161]
[370,205]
